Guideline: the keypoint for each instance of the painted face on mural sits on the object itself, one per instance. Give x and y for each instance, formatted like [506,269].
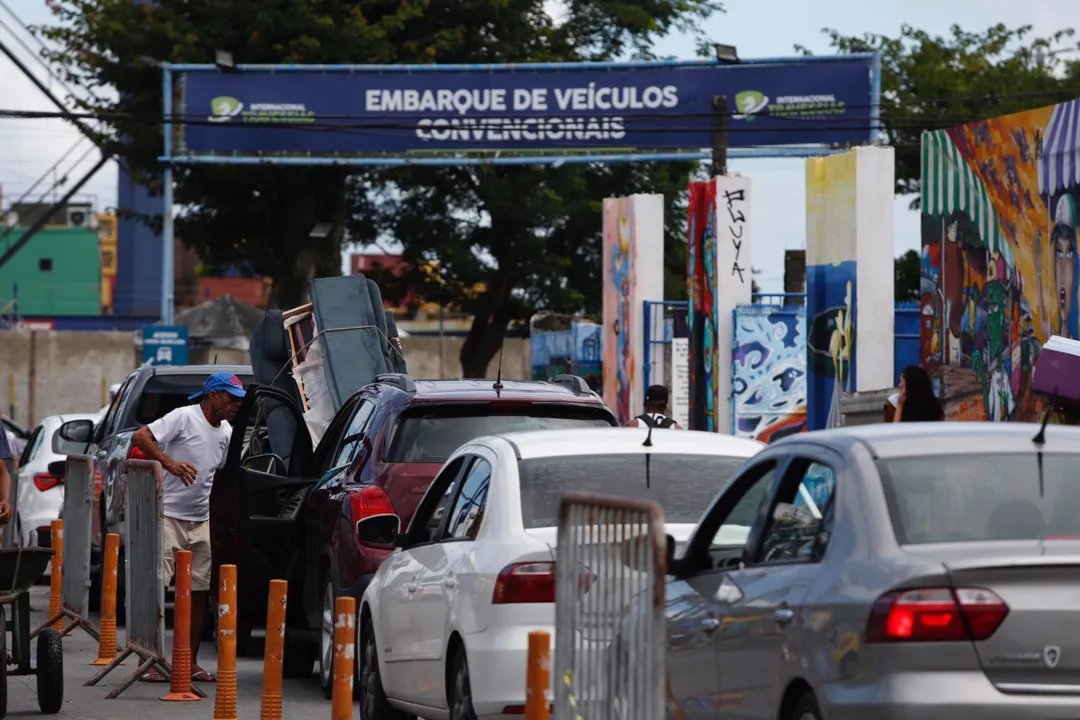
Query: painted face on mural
[950,231]
[1064,238]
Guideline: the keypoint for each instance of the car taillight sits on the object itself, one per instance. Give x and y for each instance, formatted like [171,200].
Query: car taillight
[45,481]
[135,453]
[369,502]
[532,582]
[936,615]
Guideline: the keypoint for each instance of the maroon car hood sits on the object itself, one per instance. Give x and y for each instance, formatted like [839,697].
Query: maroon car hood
[406,483]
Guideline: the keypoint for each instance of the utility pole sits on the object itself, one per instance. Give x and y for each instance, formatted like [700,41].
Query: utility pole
[719,135]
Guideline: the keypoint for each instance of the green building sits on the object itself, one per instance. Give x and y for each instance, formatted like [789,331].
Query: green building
[57,273]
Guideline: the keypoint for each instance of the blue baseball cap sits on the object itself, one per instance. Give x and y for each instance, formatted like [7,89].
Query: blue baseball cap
[222,382]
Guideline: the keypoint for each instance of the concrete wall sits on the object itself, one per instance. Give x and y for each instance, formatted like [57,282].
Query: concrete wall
[71,371]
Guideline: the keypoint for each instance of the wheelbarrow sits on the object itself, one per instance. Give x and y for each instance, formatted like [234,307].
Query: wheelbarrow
[20,568]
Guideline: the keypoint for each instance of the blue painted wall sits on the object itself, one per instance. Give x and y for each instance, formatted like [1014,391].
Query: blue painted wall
[138,251]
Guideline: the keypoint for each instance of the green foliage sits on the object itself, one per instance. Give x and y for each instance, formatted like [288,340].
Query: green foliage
[907,274]
[932,81]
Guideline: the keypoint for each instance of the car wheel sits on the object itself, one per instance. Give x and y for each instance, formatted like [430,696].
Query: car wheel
[373,702]
[461,706]
[326,640]
[807,708]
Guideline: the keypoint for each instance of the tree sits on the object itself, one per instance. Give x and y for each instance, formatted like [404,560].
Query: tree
[261,217]
[509,241]
[931,82]
[907,271]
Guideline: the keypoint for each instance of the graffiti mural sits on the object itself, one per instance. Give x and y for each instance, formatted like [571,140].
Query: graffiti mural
[701,289]
[620,296]
[564,344]
[769,371]
[1000,269]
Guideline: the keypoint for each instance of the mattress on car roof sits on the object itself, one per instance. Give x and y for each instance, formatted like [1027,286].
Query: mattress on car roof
[351,330]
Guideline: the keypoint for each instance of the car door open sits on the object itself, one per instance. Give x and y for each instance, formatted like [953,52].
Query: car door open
[256,505]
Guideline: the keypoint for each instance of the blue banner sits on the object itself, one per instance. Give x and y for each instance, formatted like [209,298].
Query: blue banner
[633,109]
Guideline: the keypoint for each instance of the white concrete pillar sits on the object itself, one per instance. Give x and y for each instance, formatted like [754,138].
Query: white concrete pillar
[633,273]
[849,278]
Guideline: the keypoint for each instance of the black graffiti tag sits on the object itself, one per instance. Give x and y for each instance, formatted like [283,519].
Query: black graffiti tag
[736,228]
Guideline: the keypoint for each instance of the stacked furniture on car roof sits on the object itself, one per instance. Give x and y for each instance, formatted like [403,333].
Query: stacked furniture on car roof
[323,352]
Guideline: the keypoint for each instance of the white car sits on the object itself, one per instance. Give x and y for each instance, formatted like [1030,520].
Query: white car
[443,627]
[41,492]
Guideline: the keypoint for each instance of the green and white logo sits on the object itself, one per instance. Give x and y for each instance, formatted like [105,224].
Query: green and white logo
[224,108]
[749,103]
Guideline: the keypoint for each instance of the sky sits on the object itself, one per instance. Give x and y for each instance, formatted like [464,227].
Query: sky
[758,28]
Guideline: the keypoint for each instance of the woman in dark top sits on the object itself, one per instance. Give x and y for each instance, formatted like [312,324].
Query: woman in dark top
[917,401]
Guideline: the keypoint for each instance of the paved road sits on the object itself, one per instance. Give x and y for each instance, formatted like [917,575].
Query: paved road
[303,699]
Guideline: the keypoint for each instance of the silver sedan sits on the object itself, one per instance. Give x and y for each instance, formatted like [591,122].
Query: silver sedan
[908,571]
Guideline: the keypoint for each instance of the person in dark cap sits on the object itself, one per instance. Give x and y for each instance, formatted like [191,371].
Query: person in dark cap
[656,407]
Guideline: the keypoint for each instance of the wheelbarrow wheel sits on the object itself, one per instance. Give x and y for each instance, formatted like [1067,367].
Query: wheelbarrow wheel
[3,665]
[50,671]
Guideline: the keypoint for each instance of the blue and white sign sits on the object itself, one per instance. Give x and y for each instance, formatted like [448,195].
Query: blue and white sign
[522,108]
[165,345]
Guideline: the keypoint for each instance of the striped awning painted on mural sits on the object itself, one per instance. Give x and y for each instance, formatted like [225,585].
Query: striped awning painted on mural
[1059,160]
[949,185]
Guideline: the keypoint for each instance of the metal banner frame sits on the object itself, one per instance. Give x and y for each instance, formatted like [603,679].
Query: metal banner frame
[170,159]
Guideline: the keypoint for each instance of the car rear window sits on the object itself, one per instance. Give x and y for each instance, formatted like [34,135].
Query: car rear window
[973,498]
[683,485]
[164,393]
[431,435]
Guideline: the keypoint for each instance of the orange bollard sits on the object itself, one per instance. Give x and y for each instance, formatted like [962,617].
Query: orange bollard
[538,676]
[275,651]
[56,574]
[344,657]
[107,641]
[225,699]
[180,684]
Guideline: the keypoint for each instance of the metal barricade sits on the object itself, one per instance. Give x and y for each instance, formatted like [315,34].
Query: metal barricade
[78,526]
[144,517]
[610,635]
[11,530]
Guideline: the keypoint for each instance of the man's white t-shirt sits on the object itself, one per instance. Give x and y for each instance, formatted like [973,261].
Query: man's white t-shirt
[185,435]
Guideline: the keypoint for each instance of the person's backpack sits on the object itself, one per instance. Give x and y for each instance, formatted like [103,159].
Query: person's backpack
[662,423]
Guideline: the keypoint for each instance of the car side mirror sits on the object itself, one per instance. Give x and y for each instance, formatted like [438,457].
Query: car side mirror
[379,530]
[269,464]
[73,437]
[669,554]
[58,468]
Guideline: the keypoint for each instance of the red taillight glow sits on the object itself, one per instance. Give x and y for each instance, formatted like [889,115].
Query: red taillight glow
[532,582]
[936,615]
[45,481]
[369,502]
[136,454]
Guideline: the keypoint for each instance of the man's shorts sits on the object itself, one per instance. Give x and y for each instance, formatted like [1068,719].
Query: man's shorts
[194,537]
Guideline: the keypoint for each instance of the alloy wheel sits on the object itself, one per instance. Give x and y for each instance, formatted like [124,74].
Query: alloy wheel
[326,635]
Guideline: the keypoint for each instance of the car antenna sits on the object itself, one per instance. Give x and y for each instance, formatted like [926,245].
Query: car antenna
[1040,441]
[498,386]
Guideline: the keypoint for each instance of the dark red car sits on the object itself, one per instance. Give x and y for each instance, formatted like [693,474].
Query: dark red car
[293,514]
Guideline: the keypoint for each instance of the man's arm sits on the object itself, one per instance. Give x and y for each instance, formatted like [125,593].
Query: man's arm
[145,439]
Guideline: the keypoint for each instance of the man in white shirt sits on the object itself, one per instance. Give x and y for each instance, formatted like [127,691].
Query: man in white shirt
[191,444]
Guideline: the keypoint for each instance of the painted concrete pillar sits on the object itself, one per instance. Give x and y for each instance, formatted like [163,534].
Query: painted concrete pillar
[849,278]
[633,273]
[718,280]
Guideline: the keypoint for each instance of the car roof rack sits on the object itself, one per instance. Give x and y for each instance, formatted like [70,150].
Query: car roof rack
[574,383]
[399,380]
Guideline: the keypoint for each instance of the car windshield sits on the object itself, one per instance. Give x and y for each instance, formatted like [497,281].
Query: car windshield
[968,498]
[431,435]
[682,484]
[164,393]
